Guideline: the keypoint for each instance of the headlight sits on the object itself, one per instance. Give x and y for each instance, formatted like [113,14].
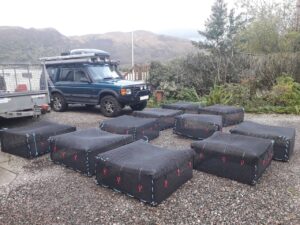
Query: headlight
[125,91]
[143,87]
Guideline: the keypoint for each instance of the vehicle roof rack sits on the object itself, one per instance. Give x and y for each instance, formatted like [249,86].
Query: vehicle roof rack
[80,56]
[87,51]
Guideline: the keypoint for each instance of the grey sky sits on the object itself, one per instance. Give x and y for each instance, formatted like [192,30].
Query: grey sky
[79,17]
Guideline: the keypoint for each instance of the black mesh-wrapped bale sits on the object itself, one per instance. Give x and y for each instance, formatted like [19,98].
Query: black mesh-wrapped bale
[144,171]
[197,126]
[139,128]
[186,107]
[283,137]
[77,150]
[31,141]
[231,115]
[165,117]
[237,157]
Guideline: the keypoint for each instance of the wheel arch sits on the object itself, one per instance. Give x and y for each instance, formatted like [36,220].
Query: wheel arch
[56,91]
[104,93]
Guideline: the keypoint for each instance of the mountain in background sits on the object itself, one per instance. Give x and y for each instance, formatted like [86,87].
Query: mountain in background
[27,45]
[189,34]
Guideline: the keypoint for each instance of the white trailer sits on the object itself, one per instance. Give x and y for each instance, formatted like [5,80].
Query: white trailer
[23,90]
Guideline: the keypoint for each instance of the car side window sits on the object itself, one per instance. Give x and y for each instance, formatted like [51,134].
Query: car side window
[80,76]
[66,75]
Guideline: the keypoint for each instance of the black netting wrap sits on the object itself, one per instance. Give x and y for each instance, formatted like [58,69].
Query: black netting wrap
[144,171]
[31,141]
[283,137]
[186,107]
[165,117]
[139,128]
[238,157]
[231,115]
[77,150]
[197,126]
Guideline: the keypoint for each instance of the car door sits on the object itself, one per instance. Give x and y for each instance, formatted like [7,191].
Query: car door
[84,88]
[64,83]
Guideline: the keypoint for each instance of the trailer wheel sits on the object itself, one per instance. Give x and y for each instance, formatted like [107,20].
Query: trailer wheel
[59,103]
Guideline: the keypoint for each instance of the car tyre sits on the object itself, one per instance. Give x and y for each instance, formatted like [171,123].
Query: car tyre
[139,107]
[110,106]
[59,103]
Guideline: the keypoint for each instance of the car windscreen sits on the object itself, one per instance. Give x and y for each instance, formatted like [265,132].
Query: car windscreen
[103,72]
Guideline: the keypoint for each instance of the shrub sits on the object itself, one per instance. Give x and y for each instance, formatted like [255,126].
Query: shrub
[231,94]
[188,94]
[286,92]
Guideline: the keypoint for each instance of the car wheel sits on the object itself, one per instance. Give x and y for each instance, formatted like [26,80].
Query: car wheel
[110,106]
[139,107]
[59,103]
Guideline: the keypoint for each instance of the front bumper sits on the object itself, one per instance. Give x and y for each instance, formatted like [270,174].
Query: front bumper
[134,98]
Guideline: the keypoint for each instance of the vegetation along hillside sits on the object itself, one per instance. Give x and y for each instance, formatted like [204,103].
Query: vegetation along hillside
[27,45]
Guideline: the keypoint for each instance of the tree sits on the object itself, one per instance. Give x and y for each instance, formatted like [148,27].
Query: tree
[219,35]
[270,27]
[214,33]
[260,37]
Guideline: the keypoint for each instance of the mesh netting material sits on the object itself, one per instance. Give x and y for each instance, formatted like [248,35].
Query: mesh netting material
[238,157]
[77,150]
[31,141]
[144,171]
[165,117]
[197,126]
[283,137]
[186,107]
[231,115]
[139,128]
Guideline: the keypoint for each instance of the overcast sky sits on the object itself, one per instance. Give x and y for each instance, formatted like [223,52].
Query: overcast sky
[77,17]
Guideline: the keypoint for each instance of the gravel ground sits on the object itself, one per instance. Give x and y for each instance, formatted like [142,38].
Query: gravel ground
[45,193]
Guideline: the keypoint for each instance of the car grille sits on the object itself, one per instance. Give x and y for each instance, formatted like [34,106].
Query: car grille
[138,92]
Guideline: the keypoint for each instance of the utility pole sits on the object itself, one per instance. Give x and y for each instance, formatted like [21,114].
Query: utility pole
[298,15]
[132,55]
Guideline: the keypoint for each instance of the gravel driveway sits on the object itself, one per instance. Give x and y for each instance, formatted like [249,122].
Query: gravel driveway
[45,193]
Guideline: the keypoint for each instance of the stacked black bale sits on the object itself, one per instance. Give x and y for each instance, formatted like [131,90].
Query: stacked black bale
[139,128]
[283,137]
[31,141]
[197,126]
[237,157]
[231,115]
[77,150]
[144,171]
[186,107]
[165,117]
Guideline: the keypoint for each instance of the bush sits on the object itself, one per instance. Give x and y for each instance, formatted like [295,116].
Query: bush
[284,96]
[188,94]
[229,94]
[286,92]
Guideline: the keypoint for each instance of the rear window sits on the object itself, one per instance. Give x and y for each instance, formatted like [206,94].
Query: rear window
[52,72]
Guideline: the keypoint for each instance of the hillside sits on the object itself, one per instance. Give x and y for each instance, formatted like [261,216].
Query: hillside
[27,45]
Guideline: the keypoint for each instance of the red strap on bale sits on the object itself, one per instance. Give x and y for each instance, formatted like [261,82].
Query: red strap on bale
[166,183]
[105,171]
[178,172]
[118,180]
[140,188]
[75,157]
[223,158]
[242,162]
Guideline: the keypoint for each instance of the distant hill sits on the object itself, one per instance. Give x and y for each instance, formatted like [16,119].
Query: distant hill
[27,45]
